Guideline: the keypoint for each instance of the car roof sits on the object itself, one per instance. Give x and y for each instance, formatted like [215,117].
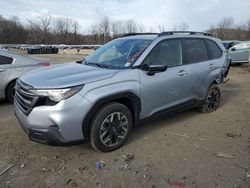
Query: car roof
[177,35]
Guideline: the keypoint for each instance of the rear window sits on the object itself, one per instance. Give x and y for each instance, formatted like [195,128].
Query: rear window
[195,51]
[213,50]
[5,60]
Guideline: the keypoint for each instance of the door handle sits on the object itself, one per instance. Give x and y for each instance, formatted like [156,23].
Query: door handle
[182,73]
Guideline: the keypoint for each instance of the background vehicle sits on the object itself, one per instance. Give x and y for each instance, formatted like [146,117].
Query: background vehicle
[128,80]
[12,66]
[229,43]
[240,53]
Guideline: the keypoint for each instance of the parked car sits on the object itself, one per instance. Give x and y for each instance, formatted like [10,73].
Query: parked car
[229,43]
[126,81]
[240,53]
[12,66]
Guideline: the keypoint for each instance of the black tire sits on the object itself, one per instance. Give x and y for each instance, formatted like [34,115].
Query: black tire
[10,92]
[105,133]
[212,101]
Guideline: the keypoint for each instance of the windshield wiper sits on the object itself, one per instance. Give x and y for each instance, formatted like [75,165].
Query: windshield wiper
[97,64]
[80,61]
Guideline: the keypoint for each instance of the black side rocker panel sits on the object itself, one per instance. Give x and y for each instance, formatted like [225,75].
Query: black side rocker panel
[175,109]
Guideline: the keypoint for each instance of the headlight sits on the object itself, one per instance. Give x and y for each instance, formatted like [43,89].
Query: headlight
[57,95]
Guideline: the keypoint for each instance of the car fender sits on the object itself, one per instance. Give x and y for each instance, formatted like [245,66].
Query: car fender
[112,91]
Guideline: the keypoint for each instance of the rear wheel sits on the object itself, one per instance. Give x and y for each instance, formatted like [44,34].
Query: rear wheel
[10,92]
[110,127]
[212,99]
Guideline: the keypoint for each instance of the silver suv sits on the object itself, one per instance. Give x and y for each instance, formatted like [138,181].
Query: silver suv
[130,79]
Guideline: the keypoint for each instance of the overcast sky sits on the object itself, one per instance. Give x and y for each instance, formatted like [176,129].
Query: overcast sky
[199,15]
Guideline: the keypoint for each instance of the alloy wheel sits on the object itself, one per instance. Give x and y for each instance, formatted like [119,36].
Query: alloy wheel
[113,129]
[213,99]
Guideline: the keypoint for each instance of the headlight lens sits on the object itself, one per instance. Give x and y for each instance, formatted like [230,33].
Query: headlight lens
[57,95]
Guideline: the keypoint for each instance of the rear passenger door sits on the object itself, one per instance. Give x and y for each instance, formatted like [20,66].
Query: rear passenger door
[202,57]
[165,89]
[5,63]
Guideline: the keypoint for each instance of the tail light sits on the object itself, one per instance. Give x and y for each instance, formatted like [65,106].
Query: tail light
[44,64]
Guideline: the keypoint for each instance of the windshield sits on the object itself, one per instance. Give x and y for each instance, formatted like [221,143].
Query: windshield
[119,53]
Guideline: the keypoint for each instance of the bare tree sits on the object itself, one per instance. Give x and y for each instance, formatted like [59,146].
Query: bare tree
[248,28]
[76,27]
[63,25]
[44,22]
[226,23]
[15,20]
[117,28]
[130,26]
[104,28]
[11,30]
[140,27]
[161,28]
[40,29]
[223,27]
[35,34]
[181,27]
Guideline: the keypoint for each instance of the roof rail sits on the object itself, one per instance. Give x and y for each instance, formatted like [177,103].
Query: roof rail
[133,34]
[183,32]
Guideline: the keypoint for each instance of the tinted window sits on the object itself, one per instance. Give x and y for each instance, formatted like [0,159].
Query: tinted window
[195,51]
[213,49]
[167,52]
[5,60]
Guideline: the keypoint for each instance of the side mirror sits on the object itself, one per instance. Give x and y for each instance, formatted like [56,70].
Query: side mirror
[232,49]
[152,69]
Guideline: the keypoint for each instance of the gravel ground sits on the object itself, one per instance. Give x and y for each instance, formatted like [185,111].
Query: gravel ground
[189,149]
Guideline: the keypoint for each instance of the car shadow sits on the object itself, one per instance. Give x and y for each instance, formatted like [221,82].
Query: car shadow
[5,103]
[229,91]
[144,129]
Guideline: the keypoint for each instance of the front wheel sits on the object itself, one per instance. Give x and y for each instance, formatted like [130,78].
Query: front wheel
[212,100]
[110,127]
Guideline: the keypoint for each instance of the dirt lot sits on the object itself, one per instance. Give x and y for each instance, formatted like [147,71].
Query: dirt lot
[178,151]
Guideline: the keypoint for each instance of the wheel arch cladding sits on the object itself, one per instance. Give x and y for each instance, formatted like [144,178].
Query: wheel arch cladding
[130,100]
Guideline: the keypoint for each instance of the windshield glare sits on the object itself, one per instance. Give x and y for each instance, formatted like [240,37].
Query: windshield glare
[118,53]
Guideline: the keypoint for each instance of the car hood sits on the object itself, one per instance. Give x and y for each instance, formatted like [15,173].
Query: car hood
[66,75]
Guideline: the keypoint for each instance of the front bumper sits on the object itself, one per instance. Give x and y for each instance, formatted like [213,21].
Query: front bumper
[49,136]
[60,124]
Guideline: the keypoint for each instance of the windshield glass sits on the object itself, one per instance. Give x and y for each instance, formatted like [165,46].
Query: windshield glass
[118,53]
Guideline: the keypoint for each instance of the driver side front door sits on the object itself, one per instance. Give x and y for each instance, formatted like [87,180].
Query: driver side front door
[167,89]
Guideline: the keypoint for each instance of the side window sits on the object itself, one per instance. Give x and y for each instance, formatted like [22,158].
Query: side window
[194,50]
[167,52]
[5,60]
[213,49]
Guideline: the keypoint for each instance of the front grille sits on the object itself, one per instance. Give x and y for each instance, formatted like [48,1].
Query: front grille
[24,98]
